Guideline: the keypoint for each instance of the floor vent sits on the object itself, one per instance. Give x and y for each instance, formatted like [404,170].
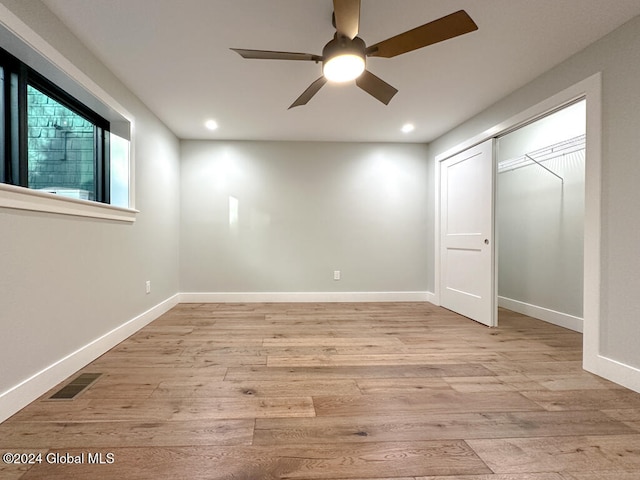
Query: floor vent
[77,385]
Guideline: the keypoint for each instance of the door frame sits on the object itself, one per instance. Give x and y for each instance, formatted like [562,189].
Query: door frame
[591,90]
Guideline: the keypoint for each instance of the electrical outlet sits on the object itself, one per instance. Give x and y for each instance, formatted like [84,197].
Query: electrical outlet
[148,286]
[336,274]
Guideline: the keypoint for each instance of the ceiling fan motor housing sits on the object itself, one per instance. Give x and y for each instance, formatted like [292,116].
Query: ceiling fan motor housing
[341,45]
[343,59]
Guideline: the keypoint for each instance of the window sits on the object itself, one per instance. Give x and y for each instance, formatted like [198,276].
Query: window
[50,141]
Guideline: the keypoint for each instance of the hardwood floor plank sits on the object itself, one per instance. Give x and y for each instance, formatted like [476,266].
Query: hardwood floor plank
[562,354]
[85,410]
[138,375]
[481,384]
[397,427]
[427,402]
[245,407]
[148,348]
[154,410]
[575,381]
[378,371]
[380,359]
[568,454]
[585,399]
[126,434]
[333,341]
[534,368]
[630,417]
[189,357]
[617,475]
[441,347]
[138,382]
[393,386]
[292,388]
[511,476]
[124,361]
[371,460]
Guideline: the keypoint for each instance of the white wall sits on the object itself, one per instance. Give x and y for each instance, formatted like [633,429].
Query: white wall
[66,281]
[540,218]
[616,57]
[304,210]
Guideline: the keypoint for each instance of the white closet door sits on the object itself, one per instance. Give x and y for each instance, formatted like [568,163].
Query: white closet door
[466,229]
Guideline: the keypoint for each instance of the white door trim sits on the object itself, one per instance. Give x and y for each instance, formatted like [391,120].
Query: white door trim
[591,89]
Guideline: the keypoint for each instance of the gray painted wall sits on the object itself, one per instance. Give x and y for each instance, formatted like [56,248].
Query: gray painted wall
[66,280]
[304,210]
[616,56]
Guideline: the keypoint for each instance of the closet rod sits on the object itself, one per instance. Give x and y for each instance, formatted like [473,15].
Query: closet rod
[547,169]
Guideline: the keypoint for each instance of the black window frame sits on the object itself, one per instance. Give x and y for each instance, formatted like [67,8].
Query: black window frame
[15,153]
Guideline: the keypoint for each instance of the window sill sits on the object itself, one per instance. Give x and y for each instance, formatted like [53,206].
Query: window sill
[20,198]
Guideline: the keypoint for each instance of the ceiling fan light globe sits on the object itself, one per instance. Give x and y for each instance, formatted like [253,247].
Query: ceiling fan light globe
[343,68]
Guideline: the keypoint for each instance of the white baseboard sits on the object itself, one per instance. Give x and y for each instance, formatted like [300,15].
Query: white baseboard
[292,297]
[541,313]
[30,389]
[614,371]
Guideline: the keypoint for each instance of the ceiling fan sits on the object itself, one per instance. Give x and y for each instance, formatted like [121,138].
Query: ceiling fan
[344,57]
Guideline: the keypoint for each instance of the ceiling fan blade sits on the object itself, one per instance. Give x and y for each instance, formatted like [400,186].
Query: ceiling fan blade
[347,15]
[444,28]
[376,87]
[309,92]
[271,55]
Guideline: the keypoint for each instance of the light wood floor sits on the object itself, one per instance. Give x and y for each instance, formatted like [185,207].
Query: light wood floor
[336,391]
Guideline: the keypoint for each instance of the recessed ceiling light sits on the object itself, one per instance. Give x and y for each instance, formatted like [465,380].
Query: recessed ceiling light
[211,124]
[408,128]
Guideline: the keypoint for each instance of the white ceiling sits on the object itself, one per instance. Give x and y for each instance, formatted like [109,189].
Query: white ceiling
[174,55]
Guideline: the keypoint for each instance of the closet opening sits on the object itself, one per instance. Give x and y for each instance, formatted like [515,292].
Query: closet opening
[540,211]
